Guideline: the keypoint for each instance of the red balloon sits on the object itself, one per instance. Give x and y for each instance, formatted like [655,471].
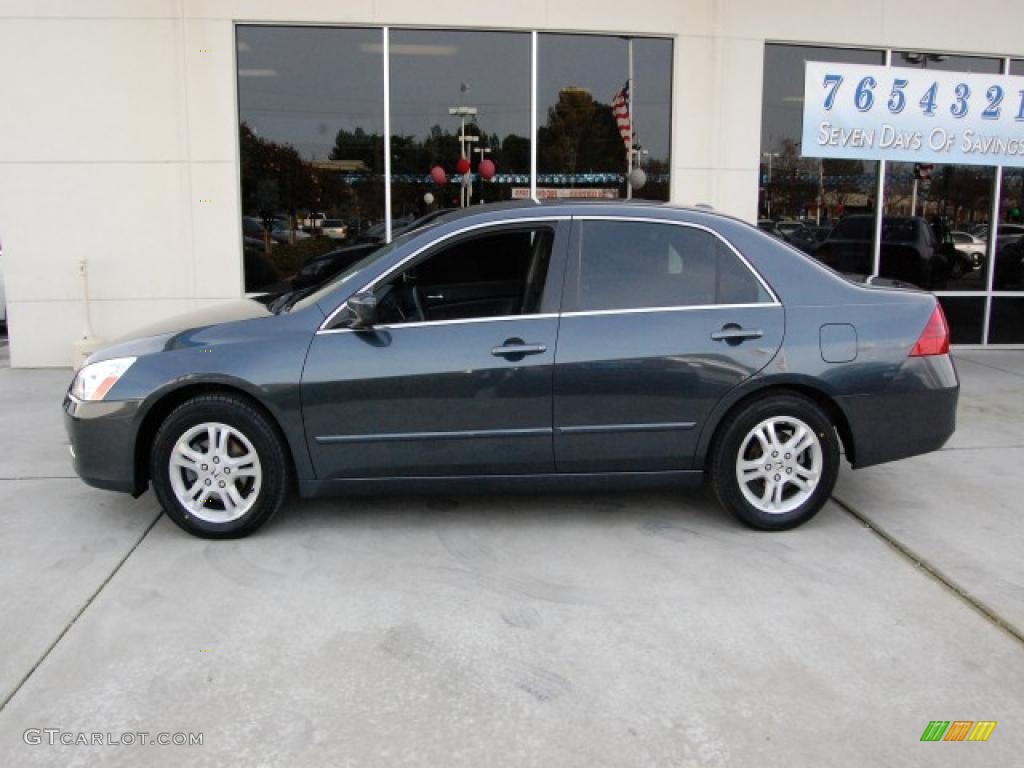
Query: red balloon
[487,169]
[462,165]
[437,174]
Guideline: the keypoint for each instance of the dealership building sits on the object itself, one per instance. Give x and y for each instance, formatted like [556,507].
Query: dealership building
[161,155]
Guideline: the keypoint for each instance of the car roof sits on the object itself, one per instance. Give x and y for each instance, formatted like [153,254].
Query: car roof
[624,208]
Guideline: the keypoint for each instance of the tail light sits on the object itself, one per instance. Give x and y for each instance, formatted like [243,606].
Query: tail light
[934,339]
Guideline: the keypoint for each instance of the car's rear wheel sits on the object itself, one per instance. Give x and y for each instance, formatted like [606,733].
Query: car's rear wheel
[775,461]
[218,466]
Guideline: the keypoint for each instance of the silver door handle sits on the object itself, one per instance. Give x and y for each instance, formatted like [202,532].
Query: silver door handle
[737,334]
[511,350]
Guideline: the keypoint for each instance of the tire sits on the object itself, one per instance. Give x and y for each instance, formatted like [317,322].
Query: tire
[753,441]
[198,490]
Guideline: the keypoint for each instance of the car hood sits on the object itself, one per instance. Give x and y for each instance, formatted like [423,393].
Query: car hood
[185,329]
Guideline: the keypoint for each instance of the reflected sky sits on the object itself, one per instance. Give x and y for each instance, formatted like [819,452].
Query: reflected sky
[301,85]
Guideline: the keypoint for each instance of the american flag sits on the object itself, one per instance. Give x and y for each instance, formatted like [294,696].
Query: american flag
[620,108]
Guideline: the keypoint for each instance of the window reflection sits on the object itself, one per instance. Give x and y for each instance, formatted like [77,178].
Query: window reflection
[965,316]
[484,77]
[311,120]
[1006,323]
[582,146]
[1009,267]
[804,199]
[953,201]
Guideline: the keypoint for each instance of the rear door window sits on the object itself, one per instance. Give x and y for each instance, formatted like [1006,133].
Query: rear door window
[644,265]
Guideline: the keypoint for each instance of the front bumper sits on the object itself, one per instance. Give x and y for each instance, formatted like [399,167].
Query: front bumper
[915,414]
[102,436]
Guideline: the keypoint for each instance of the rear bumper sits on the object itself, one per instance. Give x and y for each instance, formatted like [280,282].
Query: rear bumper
[102,437]
[915,414]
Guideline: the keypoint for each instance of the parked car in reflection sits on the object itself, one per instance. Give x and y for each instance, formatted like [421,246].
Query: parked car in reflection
[821,233]
[252,226]
[910,250]
[260,273]
[281,233]
[1008,233]
[771,227]
[532,346]
[1009,274]
[313,220]
[322,267]
[971,245]
[336,229]
[799,234]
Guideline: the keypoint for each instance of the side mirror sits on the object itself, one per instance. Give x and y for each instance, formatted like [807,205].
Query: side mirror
[362,310]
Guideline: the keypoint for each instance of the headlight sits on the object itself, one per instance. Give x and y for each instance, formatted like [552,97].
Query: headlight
[93,381]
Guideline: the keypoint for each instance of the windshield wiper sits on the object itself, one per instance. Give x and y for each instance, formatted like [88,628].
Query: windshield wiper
[289,299]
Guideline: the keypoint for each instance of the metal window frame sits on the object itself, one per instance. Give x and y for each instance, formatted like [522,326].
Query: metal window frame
[692,225]
[325,328]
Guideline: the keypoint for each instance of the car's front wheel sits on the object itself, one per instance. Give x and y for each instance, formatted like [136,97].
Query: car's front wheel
[775,461]
[218,467]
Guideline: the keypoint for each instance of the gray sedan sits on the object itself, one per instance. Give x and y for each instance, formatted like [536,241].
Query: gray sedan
[536,346]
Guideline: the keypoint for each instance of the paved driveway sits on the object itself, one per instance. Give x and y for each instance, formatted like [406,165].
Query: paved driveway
[579,630]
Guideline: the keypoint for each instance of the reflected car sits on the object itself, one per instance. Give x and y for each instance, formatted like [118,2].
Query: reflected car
[322,267]
[973,247]
[281,233]
[911,251]
[799,234]
[821,233]
[529,346]
[252,228]
[1009,274]
[336,229]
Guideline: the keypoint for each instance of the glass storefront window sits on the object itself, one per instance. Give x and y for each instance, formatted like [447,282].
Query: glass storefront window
[1009,265]
[965,315]
[951,204]
[581,151]
[935,219]
[485,76]
[804,199]
[311,125]
[1006,324]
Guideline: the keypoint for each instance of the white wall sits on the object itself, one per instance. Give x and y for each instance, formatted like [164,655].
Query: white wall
[118,131]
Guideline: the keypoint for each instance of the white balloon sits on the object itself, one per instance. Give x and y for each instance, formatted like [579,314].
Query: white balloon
[637,178]
[428,198]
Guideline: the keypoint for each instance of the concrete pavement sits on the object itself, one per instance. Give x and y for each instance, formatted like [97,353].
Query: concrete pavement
[589,630]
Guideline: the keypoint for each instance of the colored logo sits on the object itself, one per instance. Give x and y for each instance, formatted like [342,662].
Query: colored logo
[958,730]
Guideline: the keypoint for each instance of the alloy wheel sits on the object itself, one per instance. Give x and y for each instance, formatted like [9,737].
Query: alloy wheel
[215,472]
[779,464]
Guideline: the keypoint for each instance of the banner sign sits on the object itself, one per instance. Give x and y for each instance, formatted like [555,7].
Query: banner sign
[565,193]
[912,115]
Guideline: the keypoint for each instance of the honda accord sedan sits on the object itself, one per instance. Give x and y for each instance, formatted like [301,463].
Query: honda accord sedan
[537,346]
